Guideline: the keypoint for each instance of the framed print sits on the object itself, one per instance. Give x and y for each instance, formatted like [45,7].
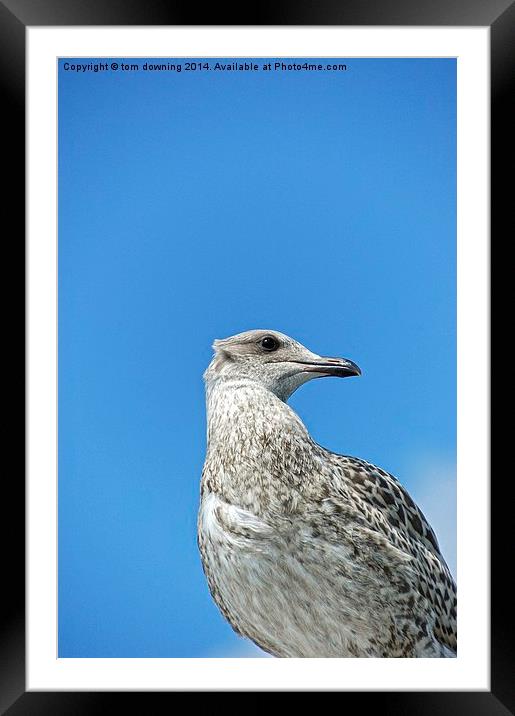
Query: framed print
[323,175]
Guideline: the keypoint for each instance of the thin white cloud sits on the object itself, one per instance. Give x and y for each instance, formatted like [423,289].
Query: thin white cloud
[434,490]
[241,649]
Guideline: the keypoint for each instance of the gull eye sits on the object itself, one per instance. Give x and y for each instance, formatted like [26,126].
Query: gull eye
[269,343]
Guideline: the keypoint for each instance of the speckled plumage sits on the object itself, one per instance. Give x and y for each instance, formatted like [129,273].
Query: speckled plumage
[306,552]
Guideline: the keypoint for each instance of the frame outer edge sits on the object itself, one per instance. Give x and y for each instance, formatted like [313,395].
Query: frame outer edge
[12,91]
[300,12]
[12,83]
[502,37]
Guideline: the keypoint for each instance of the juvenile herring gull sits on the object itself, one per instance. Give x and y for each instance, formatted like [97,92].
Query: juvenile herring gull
[306,552]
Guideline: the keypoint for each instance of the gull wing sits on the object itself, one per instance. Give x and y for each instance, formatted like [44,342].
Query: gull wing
[393,513]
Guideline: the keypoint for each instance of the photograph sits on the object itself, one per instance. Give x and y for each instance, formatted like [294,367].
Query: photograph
[228,231]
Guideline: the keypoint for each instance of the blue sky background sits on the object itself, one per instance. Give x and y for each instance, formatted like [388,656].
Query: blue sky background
[196,205]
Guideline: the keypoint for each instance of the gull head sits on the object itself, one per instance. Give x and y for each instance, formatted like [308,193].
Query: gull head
[272,360]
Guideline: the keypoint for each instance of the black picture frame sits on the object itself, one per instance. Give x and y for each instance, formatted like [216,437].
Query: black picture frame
[15,17]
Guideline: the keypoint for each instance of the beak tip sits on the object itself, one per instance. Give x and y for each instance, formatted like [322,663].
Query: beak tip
[354,370]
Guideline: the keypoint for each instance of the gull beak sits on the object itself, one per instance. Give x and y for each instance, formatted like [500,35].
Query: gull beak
[338,367]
